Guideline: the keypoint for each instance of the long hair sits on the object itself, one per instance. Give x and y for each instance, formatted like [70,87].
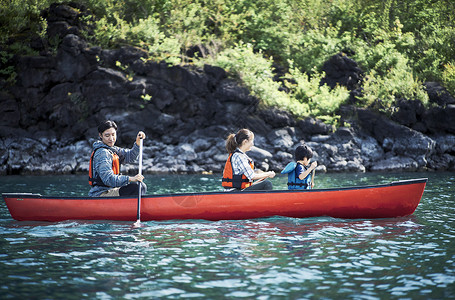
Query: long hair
[234,141]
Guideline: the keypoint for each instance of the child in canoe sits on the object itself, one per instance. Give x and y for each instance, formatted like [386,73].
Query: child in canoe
[299,172]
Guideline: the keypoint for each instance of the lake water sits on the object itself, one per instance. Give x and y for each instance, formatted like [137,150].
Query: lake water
[272,258]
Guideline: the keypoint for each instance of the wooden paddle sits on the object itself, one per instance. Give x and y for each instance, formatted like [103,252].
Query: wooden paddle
[138,222]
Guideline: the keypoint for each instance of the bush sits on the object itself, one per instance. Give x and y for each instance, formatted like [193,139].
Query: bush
[145,34]
[382,90]
[314,47]
[321,101]
[448,77]
[255,72]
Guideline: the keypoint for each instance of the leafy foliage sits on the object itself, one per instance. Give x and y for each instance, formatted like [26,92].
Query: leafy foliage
[318,100]
[398,44]
[448,77]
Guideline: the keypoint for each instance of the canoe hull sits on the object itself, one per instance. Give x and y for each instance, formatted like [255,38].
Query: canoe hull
[396,199]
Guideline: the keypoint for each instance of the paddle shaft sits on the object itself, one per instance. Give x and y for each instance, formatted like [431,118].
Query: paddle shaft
[140,183]
[312,176]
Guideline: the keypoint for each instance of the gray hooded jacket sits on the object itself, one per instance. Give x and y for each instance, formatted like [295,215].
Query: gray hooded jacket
[102,166]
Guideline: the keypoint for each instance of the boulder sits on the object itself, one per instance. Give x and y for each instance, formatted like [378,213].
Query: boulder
[259,155]
[399,139]
[71,60]
[445,144]
[395,163]
[341,70]
[282,139]
[409,112]
[440,120]
[310,126]
[9,110]
[438,94]
[444,162]
[276,118]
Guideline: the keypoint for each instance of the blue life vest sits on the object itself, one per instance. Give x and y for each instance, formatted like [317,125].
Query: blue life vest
[294,182]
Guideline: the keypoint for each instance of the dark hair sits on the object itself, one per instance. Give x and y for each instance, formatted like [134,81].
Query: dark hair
[106,125]
[234,141]
[303,151]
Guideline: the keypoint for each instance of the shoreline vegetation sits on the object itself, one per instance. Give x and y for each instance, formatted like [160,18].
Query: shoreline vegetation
[369,86]
[272,47]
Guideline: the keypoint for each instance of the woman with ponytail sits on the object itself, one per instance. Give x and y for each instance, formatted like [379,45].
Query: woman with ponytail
[239,168]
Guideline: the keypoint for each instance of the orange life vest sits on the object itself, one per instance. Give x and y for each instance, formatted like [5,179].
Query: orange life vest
[234,181]
[115,168]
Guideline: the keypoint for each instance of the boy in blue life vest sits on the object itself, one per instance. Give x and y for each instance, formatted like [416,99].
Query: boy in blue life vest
[299,172]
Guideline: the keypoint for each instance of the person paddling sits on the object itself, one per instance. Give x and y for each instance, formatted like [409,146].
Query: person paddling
[239,168]
[104,168]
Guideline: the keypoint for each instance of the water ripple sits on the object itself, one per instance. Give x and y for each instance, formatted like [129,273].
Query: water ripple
[273,258]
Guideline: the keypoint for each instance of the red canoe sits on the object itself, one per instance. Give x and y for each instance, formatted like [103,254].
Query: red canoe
[395,199]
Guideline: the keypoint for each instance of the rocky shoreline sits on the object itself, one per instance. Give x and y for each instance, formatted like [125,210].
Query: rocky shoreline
[49,116]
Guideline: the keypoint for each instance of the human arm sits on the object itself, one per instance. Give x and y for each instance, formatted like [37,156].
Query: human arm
[138,177]
[140,136]
[131,155]
[304,174]
[263,175]
[241,165]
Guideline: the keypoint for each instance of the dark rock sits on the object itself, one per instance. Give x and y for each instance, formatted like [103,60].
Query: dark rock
[187,112]
[9,110]
[440,120]
[73,45]
[344,134]
[62,19]
[61,12]
[259,155]
[444,162]
[445,144]
[59,29]
[341,70]
[347,166]
[216,73]
[276,118]
[127,55]
[36,71]
[438,94]
[395,163]
[394,137]
[371,151]
[164,122]
[188,79]
[320,138]
[71,61]
[409,112]
[197,51]
[201,144]
[230,91]
[282,139]
[311,126]
[256,123]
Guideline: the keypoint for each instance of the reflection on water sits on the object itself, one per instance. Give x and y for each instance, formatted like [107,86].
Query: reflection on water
[272,258]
